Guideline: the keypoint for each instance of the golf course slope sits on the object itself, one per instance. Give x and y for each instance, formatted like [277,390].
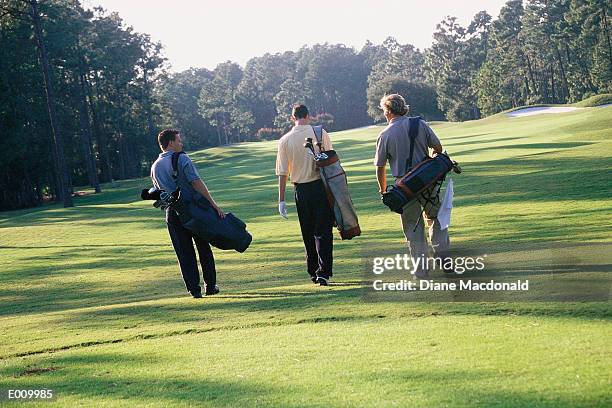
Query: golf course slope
[93,306]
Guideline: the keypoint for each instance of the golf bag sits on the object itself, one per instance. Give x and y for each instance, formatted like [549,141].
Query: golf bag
[423,182]
[336,185]
[199,217]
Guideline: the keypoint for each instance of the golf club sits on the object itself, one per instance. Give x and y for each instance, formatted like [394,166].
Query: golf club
[309,145]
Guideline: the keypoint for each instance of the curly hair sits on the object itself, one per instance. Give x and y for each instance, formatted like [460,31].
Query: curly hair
[394,103]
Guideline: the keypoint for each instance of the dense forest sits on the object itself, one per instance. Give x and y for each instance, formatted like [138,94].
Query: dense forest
[82,95]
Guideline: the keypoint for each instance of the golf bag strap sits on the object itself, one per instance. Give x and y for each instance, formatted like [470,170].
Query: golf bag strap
[175,159]
[318,131]
[413,131]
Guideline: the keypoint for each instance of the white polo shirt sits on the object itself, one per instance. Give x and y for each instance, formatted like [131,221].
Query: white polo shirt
[294,160]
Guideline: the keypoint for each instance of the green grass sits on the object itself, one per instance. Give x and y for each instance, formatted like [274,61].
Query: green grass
[597,100]
[92,304]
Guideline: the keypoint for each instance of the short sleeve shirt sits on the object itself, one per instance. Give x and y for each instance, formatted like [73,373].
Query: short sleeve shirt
[161,173]
[393,145]
[294,160]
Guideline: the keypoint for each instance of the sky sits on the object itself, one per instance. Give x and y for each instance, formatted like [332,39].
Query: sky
[205,33]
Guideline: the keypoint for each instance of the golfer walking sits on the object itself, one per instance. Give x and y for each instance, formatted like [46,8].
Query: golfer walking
[191,186]
[316,220]
[393,146]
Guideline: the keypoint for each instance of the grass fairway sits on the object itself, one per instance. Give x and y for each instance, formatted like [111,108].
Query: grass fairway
[93,306]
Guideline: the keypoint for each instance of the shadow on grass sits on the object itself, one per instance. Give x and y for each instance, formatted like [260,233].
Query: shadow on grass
[80,246]
[547,179]
[444,387]
[102,376]
[96,215]
[68,278]
[475,142]
[290,306]
[239,303]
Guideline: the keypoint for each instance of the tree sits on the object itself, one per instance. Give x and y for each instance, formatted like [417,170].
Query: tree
[85,83]
[335,79]
[506,77]
[64,182]
[551,51]
[396,64]
[261,80]
[450,67]
[420,96]
[28,174]
[291,93]
[178,96]
[589,40]
[220,107]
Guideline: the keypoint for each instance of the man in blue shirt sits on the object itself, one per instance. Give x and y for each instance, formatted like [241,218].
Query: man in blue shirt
[191,186]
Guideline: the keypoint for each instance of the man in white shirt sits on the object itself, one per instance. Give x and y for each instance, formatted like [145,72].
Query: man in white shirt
[314,212]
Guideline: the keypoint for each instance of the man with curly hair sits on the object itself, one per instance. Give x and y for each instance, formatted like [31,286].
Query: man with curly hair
[393,146]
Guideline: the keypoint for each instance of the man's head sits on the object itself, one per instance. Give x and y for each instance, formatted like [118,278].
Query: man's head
[170,139]
[299,114]
[393,105]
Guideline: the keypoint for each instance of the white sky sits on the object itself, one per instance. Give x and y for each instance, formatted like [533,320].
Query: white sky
[205,33]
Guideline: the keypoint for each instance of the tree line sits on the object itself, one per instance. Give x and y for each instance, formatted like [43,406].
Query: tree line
[82,95]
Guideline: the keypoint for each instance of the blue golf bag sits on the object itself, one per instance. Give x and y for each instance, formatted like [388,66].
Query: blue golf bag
[198,216]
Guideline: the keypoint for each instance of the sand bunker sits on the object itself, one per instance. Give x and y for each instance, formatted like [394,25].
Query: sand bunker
[539,110]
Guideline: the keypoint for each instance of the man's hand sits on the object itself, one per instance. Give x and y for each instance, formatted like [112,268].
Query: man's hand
[282,209]
[199,186]
[219,211]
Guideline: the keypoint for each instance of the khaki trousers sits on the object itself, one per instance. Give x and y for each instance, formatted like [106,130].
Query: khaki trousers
[416,214]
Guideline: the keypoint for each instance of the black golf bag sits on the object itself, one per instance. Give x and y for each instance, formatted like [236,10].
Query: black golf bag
[419,182]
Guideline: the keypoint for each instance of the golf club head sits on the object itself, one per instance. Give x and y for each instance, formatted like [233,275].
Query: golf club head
[456,168]
[168,199]
[151,194]
[309,145]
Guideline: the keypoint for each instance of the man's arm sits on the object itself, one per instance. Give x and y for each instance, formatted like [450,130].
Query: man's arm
[282,206]
[283,168]
[432,138]
[192,176]
[199,186]
[381,177]
[380,161]
[282,186]
[326,140]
